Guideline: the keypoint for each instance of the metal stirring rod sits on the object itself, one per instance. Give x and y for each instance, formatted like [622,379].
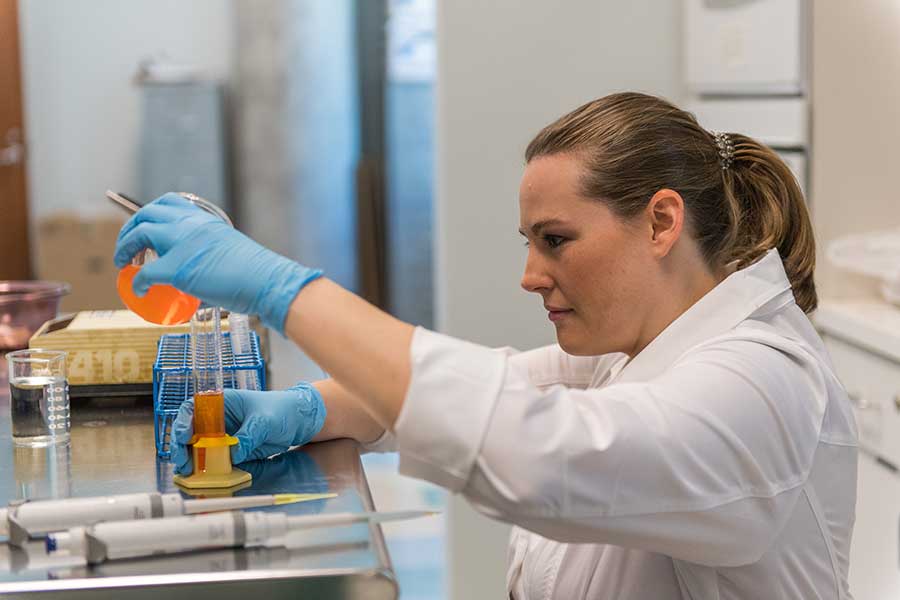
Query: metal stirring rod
[123,201]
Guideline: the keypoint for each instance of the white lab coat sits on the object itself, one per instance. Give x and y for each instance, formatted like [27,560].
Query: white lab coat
[719,463]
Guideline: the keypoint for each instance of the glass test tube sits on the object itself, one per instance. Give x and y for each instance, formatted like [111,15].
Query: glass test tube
[206,347]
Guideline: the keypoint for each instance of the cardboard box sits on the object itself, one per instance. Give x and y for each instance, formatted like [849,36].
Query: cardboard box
[79,250]
[105,347]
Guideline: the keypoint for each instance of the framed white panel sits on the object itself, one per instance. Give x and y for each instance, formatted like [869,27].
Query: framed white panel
[745,46]
[776,122]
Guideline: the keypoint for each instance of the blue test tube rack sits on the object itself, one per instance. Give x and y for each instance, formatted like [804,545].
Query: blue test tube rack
[172,379]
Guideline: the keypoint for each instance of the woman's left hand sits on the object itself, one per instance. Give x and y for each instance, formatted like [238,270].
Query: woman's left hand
[203,256]
[264,423]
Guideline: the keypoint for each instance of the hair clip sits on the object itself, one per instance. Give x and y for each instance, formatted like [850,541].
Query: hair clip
[725,147]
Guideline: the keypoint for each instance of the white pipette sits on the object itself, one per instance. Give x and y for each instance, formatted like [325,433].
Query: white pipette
[132,539]
[33,518]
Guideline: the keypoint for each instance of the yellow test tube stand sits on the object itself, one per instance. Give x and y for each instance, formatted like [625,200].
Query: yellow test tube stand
[217,471]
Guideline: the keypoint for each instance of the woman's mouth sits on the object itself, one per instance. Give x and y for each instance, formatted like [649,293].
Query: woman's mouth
[557,314]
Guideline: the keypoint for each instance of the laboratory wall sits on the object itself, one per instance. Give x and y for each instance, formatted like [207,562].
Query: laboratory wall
[78,60]
[856,125]
[505,69]
[82,116]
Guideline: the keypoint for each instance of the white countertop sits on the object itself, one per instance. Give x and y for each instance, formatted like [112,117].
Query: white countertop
[870,323]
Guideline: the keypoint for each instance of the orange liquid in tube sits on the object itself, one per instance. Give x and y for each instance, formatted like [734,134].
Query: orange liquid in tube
[162,304]
[209,420]
[209,414]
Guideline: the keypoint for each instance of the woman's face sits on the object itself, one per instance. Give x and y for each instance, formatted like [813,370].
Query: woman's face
[593,270]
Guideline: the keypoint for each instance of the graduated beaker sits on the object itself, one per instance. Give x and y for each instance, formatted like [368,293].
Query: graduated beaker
[39,404]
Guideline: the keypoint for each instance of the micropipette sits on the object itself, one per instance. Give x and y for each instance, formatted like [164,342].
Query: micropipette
[132,539]
[37,517]
[225,559]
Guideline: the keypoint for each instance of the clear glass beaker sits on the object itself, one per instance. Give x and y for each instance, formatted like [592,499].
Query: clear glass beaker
[39,404]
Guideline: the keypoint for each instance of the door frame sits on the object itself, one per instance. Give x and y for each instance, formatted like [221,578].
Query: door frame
[15,250]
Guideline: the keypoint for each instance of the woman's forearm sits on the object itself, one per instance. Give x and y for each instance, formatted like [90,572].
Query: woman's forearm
[363,348]
[346,416]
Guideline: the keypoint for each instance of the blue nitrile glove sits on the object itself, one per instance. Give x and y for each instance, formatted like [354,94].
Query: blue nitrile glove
[265,423]
[203,256]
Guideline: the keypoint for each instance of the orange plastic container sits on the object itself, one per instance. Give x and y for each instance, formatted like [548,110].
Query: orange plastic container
[162,304]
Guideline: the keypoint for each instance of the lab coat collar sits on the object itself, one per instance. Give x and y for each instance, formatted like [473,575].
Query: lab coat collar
[735,299]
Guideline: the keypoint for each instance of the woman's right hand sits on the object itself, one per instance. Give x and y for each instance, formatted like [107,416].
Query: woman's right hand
[265,423]
[203,256]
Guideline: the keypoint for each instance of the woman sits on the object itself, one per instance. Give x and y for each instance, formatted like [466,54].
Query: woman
[687,438]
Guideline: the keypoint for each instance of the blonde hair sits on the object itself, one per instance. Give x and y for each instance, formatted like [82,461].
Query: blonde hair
[633,145]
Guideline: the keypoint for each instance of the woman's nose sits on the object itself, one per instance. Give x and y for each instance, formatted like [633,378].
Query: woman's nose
[535,277]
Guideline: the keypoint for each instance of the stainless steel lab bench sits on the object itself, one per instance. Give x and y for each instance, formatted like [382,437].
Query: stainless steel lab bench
[112,451]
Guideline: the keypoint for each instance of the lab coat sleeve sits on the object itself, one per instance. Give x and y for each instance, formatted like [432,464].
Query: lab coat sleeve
[703,463]
[386,442]
[544,366]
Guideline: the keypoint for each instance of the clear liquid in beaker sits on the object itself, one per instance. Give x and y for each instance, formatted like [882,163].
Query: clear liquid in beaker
[39,409]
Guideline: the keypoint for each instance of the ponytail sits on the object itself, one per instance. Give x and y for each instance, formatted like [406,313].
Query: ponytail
[768,211]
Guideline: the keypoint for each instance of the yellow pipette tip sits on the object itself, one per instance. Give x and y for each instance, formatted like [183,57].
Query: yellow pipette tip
[292,498]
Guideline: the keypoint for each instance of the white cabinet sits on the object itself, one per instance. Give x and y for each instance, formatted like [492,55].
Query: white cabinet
[874,555]
[745,46]
[872,381]
[863,339]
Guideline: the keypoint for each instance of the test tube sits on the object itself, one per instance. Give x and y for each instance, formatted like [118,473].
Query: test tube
[206,345]
[241,347]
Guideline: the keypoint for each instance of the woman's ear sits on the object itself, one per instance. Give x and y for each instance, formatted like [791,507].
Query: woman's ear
[665,212]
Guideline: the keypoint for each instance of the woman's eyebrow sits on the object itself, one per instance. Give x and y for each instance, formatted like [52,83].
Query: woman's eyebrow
[536,228]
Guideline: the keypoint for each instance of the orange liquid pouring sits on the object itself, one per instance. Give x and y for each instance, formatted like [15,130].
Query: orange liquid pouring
[209,420]
[162,304]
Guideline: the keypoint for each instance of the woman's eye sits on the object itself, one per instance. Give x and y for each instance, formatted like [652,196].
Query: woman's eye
[553,241]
